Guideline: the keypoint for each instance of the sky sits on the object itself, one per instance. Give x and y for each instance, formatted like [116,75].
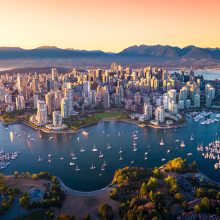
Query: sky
[109,25]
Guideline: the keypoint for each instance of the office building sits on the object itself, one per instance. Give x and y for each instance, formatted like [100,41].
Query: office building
[8,98]
[208,101]
[106,100]
[197,101]
[65,107]
[20,102]
[37,97]
[148,109]
[160,114]
[41,113]
[86,89]
[50,101]
[2,95]
[22,85]
[92,98]
[57,119]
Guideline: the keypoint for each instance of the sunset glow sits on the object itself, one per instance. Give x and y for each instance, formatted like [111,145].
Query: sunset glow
[109,25]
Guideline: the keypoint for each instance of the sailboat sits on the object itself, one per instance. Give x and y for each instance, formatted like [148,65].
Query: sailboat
[77,168]
[70,136]
[72,154]
[216,134]
[145,157]
[134,143]
[132,161]
[49,155]
[104,164]
[134,135]
[92,167]
[120,157]
[94,149]
[182,144]
[168,151]
[146,153]
[82,150]
[192,138]
[163,159]
[40,159]
[29,135]
[74,157]
[108,135]
[101,155]
[120,151]
[148,146]
[119,135]
[103,132]
[161,142]
[109,147]
[49,159]
[78,139]
[102,169]
[135,149]
[72,164]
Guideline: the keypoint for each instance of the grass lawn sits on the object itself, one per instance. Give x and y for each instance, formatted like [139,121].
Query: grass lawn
[109,114]
[39,215]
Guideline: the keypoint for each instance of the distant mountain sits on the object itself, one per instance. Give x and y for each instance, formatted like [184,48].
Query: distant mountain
[144,52]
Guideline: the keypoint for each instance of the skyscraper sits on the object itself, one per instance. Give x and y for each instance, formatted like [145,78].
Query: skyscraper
[8,98]
[50,101]
[41,113]
[20,102]
[148,109]
[208,100]
[86,89]
[106,100]
[37,96]
[35,85]
[92,98]
[57,119]
[54,74]
[197,100]
[117,99]
[2,95]
[22,85]
[65,113]
[160,114]
[69,95]
[58,98]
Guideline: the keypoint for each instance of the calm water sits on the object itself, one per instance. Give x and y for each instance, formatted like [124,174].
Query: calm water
[210,75]
[88,180]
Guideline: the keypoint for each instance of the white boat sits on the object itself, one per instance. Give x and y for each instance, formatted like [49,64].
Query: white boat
[134,135]
[134,143]
[94,149]
[109,147]
[119,135]
[216,134]
[148,146]
[145,157]
[102,169]
[192,138]
[161,142]
[168,151]
[177,140]
[103,132]
[135,149]
[82,150]
[40,136]
[77,168]
[74,157]
[6,128]
[15,133]
[29,135]
[78,139]
[164,131]
[70,136]
[72,164]
[49,160]
[104,164]
[49,155]
[19,135]
[132,161]
[72,154]
[189,154]
[40,159]
[32,139]
[101,155]
[136,138]
[61,158]
[163,159]
[108,135]
[120,151]
[182,144]
[92,167]
[120,158]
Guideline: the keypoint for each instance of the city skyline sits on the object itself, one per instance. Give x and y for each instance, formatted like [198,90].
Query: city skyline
[110,26]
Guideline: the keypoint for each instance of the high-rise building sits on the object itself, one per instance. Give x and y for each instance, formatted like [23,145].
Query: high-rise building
[8,98]
[57,119]
[117,99]
[208,101]
[128,103]
[173,108]
[86,89]
[183,94]
[20,102]
[106,100]
[41,113]
[188,103]
[92,98]
[197,100]
[2,94]
[165,101]
[35,85]
[54,74]
[137,97]
[172,95]
[58,98]
[160,114]
[48,83]
[113,67]
[22,85]
[65,113]
[50,101]
[180,104]
[69,94]
[148,109]
[37,97]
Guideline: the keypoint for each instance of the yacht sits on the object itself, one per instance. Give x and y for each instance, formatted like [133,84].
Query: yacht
[49,160]
[92,167]
[132,161]
[134,143]
[155,130]
[103,132]
[77,168]
[61,158]
[72,164]
[19,135]
[108,135]
[119,135]
[6,128]
[168,151]
[163,159]
[135,149]
[70,136]
[192,138]
[102,169]
[78,139]
[136,138]
[74,157]
[164,131]
[120,151]
[101,155]
[182,144]
[134,135]
[82,150]
[189,154]
[29,135]
[104,164]
[15,133]
[49,155]
[40,159]
[145,157]
[161,142]
[120,157]
[94,149]
[146,153]
[148,146]
[177,140]
[32,139]
[72,154]
[109,147]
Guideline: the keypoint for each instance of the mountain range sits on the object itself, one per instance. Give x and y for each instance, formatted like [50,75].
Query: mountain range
[143,51]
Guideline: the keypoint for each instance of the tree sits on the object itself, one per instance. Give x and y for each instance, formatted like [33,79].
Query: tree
[51,215]
[185,205]
[143,189]
[38,205]
[179,197]
[16,174]
[22,174]
[200,192]
[16,190]
[2,178]
[152,196]
[104,209]
[29,206]
[34,205]
[3,201]
[24,201]
[152,184]
[198,208]
[27,175]
[35,176]
[87,217]
[66,217]
[206,204]
[25,193]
